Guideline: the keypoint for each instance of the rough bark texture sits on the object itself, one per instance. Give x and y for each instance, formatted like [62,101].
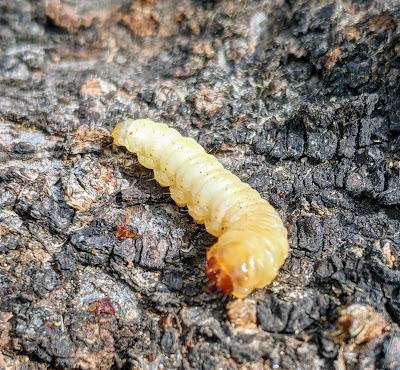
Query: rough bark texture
[99,269]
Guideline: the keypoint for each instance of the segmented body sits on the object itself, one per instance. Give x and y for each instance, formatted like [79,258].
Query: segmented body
[252,240]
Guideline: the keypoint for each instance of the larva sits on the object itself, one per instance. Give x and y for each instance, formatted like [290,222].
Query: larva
[252,240]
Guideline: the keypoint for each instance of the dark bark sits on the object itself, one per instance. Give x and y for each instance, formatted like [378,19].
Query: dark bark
[301,99]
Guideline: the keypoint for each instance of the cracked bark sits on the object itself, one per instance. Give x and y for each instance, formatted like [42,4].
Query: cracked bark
[300,99]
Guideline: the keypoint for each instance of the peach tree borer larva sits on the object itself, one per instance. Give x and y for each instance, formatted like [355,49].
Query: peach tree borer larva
[252,240]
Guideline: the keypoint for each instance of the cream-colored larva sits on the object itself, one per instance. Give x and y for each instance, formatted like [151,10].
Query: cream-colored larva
[252,240]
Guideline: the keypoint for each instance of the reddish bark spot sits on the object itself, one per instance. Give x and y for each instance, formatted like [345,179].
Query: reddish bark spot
[125,232]
[151,357]
[48,325]
[105,305]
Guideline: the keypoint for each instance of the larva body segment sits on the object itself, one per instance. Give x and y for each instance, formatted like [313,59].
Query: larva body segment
[252,240]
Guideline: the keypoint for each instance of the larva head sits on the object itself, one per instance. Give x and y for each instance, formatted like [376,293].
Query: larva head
[225,270]
[217,274]
[242,261]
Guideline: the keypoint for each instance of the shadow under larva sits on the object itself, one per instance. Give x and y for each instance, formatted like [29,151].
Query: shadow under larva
[252,240]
